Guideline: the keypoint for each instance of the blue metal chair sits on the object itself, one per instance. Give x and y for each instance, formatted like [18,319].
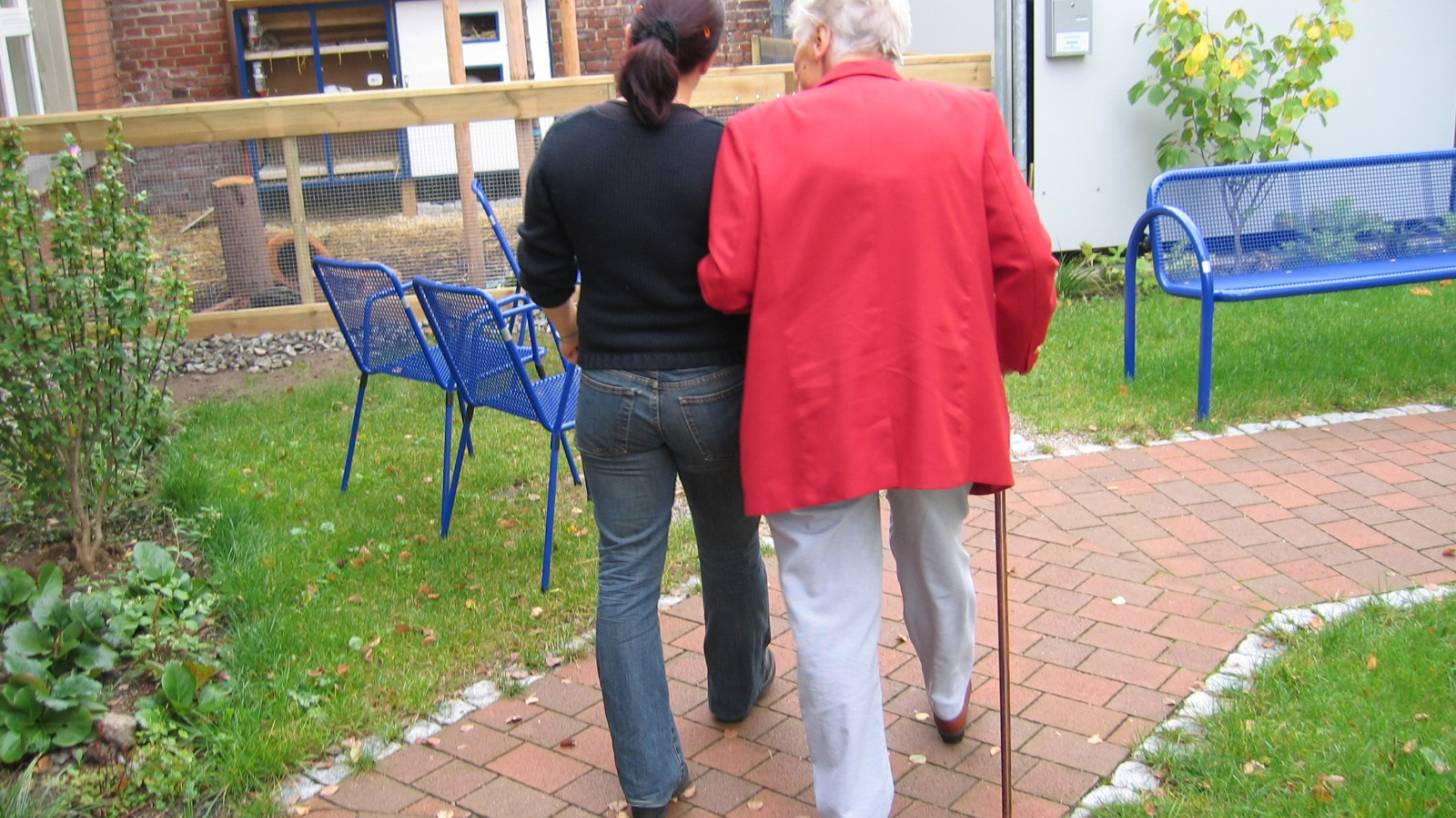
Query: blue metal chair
[521,330]
[489,370]
[368,301]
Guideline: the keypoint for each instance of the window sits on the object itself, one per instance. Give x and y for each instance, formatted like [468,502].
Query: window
[19,79]
[483,25]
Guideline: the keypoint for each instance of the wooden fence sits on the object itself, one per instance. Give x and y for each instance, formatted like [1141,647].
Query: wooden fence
[289,118]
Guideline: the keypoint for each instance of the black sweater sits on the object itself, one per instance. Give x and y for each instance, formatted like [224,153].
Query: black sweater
[628,206]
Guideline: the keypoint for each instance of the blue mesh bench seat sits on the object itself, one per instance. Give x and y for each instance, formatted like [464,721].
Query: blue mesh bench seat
[1276,229]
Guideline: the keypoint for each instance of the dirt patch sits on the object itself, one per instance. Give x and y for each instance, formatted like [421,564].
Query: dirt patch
[232,384]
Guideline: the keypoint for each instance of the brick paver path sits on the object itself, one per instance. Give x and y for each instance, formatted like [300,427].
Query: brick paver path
[1134,573]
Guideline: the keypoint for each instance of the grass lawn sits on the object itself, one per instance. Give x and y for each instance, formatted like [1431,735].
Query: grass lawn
[1356,720]
[346,614]
[1278,358]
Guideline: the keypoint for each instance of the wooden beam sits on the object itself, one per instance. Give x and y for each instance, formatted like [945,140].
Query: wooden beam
[471,246]
[295,318]
[302,258]
[311,114]
[570,47]
[516,53]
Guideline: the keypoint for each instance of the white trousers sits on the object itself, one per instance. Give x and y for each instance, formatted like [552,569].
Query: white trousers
[830,566]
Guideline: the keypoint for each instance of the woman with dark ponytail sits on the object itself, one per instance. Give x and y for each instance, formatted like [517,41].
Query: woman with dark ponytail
[619,192]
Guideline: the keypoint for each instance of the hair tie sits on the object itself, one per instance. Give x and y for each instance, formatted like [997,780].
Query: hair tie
[659,29]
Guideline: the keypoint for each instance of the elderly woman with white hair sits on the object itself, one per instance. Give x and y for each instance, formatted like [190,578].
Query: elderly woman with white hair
[880,236]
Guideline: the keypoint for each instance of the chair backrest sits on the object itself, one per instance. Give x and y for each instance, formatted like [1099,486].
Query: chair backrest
[368,301]
[479,348]
[478,188]
[1290,215]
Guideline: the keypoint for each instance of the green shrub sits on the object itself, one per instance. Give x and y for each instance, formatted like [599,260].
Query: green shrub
[89,321]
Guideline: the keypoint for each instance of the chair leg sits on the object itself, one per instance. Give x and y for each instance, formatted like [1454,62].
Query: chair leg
[354,430]
[454,483]
[550,517]
[566,447]
[1205,361]
[445,459]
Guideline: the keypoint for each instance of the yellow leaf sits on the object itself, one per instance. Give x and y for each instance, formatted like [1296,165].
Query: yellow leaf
[1371,662]
[1421,291]
[1314,32]
[1409,747]
[1182,8]
[1346,29]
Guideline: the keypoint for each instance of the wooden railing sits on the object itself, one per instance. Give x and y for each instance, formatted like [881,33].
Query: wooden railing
[311,114]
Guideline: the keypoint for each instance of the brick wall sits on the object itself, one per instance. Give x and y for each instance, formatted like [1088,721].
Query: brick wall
[93,62]
[172,51]
[600,26]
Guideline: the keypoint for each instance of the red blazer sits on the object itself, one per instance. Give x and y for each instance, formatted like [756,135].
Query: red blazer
[880,234]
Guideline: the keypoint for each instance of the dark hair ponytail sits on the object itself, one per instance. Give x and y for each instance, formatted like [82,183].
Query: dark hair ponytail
[668,38]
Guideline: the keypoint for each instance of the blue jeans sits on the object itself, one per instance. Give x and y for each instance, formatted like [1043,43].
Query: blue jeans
[638,432]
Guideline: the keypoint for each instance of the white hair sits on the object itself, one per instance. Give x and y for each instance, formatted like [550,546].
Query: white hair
[859,26]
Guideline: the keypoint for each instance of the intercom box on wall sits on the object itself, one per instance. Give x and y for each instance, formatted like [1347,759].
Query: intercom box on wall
[1068,28]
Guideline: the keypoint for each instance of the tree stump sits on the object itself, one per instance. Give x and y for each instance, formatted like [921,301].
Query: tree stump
[240,226]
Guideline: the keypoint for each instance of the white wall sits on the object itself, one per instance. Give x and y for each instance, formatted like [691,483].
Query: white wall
[1095,155]
[952,26]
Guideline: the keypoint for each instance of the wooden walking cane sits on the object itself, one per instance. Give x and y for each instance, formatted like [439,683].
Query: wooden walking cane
[1003,653]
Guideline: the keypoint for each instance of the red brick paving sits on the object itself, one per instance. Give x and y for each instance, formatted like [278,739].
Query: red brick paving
[1135,571]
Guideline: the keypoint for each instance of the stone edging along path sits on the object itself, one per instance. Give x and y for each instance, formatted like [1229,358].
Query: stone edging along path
[1125,779]
[1133,778]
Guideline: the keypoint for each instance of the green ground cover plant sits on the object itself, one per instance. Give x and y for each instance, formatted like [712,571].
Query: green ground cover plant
[1357,718]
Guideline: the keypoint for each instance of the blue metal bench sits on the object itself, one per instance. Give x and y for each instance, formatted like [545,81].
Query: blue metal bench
[1248,232]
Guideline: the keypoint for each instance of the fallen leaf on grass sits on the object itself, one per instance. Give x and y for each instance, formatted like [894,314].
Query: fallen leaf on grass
[533,497]
[917,758]
[1435,760]
[1251,767]
[404,556]
[427,592]
[341,670]
[401,628]
[399,498]
[1371,662]
[1409,747]
[1332,780]
[507,523]
[537,611]
[430,637]
[471,605]
[1423,717]
[356,599]
[1423,291]
[1150,808]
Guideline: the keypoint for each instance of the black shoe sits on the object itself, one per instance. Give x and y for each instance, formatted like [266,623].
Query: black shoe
[770,672]
[660,812]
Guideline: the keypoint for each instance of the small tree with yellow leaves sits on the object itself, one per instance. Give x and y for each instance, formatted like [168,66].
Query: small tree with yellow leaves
[1237,95]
